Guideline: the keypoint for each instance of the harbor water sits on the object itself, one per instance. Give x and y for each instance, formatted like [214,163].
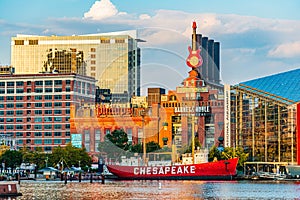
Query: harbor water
[154,189]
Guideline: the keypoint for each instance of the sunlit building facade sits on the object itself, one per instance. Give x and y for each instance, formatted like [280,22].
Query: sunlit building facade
[35,109]
[113,59]
[265,117]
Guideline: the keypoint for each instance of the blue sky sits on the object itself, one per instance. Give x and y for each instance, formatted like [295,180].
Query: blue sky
[258,38]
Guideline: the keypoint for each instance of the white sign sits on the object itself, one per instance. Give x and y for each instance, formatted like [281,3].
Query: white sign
[227,134]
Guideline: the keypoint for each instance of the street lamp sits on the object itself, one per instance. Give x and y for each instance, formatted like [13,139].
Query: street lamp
[144,135]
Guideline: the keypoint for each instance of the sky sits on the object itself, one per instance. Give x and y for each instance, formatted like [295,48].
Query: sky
[258,38]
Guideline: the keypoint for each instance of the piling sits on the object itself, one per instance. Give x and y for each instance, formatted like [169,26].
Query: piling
[91,178]
[66,178]
[102,178]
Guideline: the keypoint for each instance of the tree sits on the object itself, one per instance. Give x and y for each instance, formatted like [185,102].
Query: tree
[115,144]
[152,146]
[70,156]
[12,158]
[229,152]
[36,157]
[119,138]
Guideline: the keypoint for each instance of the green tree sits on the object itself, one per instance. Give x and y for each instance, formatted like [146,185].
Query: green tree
[12,158]
[152,146]
[37,157]
[70,156]
[119,138]
[115,145]
[229,152]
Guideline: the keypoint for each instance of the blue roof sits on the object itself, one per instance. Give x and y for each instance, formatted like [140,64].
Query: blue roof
[284,85]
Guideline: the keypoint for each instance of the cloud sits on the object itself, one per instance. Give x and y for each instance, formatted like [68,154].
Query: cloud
[100,10]
[287,50]
[144,16]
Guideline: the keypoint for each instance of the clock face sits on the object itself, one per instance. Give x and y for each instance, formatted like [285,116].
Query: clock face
[194,60]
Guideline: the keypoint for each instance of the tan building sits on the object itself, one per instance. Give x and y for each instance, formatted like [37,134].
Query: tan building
[113,59]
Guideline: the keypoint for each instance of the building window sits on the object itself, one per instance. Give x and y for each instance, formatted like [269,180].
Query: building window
[93,49]
[38,127]
[57,134]
[47,119]
[19,42]
[38,112]
[120,40]
[48,148]
[38,90]
[48,112]
[48,134]
[105,41]
[33,42]
[57,141]
[19,98]
[20,83]
[10,84]
[38,105]
[57,104]
[48,97]
[10,91]
[39,83]
[57,126]
[57,119]
[48,90]
[48,141]
[57,82]
[38,134]
[10,112]
[10,105]
[48,83]
[19,91]
[48,104]
[38,119]
[57,89]
[19,120]
[57,97]
[47,126]
[38,141]
[68,82]
[39,97]
[19,112]
[57,112]
[19,105]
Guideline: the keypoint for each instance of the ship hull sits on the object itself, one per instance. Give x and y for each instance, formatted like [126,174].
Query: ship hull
[220,170]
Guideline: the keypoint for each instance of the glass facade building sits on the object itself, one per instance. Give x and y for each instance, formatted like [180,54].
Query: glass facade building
[264,117]
[113,59]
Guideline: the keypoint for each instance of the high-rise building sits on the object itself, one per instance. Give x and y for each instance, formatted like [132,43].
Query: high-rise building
[113,59]
[35,109]
[210,52]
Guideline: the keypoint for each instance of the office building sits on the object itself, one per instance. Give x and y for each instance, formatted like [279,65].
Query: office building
[113,59]
[35,109]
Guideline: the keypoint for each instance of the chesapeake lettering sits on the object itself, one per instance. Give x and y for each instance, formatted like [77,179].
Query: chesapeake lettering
[164,170]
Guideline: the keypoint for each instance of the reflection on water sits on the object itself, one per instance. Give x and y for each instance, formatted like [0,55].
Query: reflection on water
[152,190]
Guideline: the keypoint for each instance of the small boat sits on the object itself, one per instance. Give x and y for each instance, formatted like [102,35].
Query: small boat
[189,169]
[9,189]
